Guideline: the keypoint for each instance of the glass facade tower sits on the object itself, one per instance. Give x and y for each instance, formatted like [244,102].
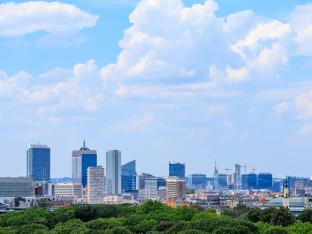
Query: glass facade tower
[38,162]
[81,160]
[113,172]
[128,176]
[177,169]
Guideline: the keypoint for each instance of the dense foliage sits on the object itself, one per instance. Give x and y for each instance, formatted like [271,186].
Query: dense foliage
[154,218]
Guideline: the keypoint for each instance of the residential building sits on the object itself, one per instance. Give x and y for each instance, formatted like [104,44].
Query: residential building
[176,188]
[95,185]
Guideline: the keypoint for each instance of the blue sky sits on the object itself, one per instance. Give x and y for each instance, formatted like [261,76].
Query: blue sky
[161,80]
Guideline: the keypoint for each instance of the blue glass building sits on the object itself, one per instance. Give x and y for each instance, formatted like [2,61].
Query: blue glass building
[128,176]
[38,162]
[265,181]
[177,169]
[198,181]
[249,181]
[113,172]
[81,160]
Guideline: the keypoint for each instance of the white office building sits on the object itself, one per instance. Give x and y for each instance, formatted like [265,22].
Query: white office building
[95,185]
[113,172]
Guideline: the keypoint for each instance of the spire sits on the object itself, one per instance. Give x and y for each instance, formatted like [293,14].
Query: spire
[216,169]
[84,143]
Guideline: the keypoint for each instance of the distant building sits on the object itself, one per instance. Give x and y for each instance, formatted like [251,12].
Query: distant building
[95,185]
[81,160]
[129,176]
[249,181]
[142,179]
[16,187]
[237,177]
[198,181]
[177,169]
[265,181]
[113,172]
[67,190]
[38,162]
[221,183]
[176,188]
[277,185]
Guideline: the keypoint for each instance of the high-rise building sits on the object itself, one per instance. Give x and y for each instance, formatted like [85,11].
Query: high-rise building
[177,169]
[142,179]
[113,172]
[249,181]
[95,185]
[129,176]
[81,160]
[176,188]
[221,182]
[38,162]
[16,187]
[198,181]
[265,181]
[237,177]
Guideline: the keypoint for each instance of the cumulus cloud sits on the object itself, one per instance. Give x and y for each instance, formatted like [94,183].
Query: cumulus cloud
[169,42]
[80,88]
[61,21]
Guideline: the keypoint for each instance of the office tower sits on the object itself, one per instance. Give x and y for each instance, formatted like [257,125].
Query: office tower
[81,160]
[198,181]
[113,172]
[177,169]
[67,190]
[129,176]
[277,185]
[265,181]
[38,162]
[142,178]
[249,181]
[176,188]
[237,177]
[16,187]
[95,185]
[222,182]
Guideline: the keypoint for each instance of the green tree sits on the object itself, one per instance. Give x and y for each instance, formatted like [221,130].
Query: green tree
[118,230]
[276,230]
[305,216]
[283,217]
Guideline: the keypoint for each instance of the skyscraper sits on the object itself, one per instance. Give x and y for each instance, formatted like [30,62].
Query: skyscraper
[95,185]
[177,169]
[128,176]
[81,160]
[265,181]
[237,177]
[38,162]
[198,181]
[249,181]
[113,172]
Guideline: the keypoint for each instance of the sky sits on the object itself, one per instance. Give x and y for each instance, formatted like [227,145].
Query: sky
[160,80]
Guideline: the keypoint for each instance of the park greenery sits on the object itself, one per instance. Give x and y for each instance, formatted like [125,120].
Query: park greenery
[154,218]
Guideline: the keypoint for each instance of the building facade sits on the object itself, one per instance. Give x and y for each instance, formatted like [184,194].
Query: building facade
[95,185]
[177,169]
[67,190]
[265,181]
[81,160]
[38,162]
[176,188]
[198,181]
[129,176]
[16,187]
[113,172]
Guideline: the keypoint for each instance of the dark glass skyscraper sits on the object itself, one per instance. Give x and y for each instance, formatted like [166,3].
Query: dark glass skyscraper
[128,176]
[81,160]
[38,162]
[265,181]
[177,169]
[249,181]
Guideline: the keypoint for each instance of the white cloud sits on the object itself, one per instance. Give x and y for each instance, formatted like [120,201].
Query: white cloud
[137,122]
[281,108]
[80,88]
[61,21]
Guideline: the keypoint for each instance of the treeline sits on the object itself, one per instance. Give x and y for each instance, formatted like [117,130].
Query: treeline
[154,218]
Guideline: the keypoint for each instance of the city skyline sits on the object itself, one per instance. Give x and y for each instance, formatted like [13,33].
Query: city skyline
[165,80]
